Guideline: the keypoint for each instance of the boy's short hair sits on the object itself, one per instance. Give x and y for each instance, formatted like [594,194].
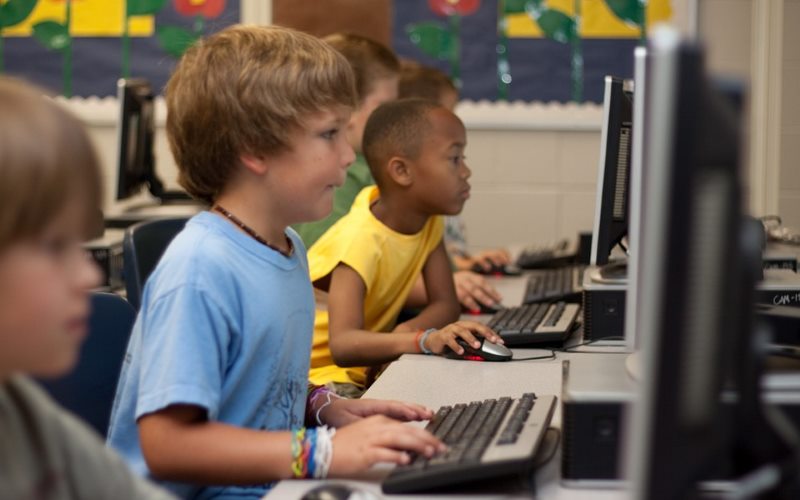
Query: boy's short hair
[46,161]
[369,59]
[396,128]
[425,82]
[246,90]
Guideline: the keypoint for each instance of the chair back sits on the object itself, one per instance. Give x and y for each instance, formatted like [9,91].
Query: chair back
[142,247]
[88,391]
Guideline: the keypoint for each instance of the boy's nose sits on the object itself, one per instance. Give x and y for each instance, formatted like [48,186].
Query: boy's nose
[349,155]
[89,275]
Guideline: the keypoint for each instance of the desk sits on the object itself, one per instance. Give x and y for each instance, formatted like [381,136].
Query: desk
[435,381]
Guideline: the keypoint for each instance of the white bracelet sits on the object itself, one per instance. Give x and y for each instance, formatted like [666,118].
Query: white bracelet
[323,451]
[423,339]
[328,395]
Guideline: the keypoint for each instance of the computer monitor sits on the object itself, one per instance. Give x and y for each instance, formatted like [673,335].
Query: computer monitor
[696,282]
[636,195]
[136,166]
[136,135]
[611,210]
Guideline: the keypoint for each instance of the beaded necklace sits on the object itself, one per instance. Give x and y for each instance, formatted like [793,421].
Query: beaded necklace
[247,229]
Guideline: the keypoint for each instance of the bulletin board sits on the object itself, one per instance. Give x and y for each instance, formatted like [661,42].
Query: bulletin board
[496,50]
[82,47]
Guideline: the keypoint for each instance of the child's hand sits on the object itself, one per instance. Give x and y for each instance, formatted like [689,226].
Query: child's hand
[343,411]
[375,439]
[466,330]
[472,288]
[489,258]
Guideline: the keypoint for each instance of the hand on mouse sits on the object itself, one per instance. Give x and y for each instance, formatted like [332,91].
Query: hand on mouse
[446,337]
[491,258]
[472,288]
[343,411]
[375,439]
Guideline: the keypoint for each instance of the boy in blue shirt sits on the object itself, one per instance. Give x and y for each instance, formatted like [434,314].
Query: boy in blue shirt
[214,389]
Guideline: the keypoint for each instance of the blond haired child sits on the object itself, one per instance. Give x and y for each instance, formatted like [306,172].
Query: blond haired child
[376,70]
[49,197]
[365,266]
[213,398]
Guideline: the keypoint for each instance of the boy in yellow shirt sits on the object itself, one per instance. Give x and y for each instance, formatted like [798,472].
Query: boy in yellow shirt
[364,267]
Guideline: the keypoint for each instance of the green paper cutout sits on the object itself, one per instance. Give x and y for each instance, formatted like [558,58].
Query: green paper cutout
[51,34]
[431,38]
[143,7]
[554,24]
[14,12]
[628,11]
[515,6]
[175,40]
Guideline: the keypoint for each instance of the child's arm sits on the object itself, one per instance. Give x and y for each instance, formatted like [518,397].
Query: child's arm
[351,345]
[442,307]
[180,444]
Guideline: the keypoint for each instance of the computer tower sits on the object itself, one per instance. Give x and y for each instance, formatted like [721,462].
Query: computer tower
[780,287]
[603,308]
[106,251]
[597,391]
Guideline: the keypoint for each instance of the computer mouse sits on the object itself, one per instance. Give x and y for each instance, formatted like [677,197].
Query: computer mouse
[338,491]
[488,351]
[497,270]
[482,309]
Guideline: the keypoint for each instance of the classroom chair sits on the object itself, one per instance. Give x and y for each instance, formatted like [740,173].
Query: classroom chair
[142,247]
[88,390]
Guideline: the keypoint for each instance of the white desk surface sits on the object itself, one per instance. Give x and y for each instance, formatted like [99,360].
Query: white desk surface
[435,381]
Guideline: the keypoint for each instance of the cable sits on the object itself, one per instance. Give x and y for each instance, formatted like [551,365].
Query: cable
[588,342]
[552,453]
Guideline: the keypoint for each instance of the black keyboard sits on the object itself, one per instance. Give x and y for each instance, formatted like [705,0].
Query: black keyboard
[535,323]
[488,438]
[556,254]
[548,285]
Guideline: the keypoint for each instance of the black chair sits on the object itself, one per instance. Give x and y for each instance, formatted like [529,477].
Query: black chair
[142,247]
[88,391]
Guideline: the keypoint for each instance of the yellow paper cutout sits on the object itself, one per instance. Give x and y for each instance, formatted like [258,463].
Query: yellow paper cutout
[597,20]
[90,18]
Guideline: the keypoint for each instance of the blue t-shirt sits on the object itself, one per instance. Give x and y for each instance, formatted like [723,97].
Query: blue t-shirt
[226,325]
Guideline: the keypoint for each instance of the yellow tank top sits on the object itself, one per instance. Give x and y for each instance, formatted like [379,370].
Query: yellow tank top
[389,263]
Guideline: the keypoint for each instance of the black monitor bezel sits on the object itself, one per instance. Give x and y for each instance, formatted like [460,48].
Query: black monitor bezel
[611,226]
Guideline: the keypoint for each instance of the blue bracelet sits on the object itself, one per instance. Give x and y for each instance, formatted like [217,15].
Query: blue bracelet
[423,339]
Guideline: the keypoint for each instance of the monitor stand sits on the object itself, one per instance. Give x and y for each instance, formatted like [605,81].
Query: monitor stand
[613,273]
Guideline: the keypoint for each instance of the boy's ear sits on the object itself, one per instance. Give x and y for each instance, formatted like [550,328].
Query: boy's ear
[254,164]
[399,171]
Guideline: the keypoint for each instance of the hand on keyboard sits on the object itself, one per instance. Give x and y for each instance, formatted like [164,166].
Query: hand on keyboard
[488,259]
[377,439]
[343,411]
[473,289]
[467,330]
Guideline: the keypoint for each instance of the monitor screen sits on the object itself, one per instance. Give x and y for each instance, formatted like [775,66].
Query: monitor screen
[611,210]
[692,299]
[136,137]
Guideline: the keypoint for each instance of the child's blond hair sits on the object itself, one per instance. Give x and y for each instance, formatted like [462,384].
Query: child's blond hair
[245,90]
[46,161]
[424,82]
[370,60]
